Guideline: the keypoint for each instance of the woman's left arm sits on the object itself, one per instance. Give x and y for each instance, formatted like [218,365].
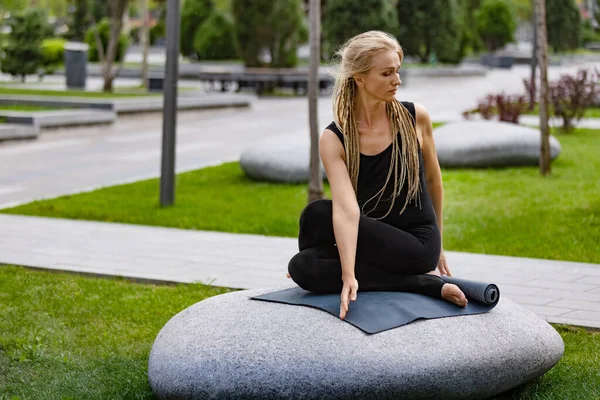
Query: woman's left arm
[433,173]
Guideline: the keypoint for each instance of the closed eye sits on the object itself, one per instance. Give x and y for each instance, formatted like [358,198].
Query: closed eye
[387,73]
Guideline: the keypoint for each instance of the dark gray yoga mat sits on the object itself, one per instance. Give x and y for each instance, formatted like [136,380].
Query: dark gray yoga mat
[378,311]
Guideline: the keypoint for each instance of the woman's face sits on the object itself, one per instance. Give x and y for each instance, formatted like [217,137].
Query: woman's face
[383,79]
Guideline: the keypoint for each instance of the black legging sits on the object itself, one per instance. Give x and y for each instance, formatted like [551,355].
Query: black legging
[385,256]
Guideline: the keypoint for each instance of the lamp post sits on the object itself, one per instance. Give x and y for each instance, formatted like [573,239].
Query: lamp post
[167,177]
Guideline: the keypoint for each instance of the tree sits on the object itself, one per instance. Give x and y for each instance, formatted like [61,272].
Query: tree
[597,14]
[23,54]
[102,28]
[496,23]
[523,9]
[315,182]
[99,9]
[80,20]
[267,26]
[540,10]
[116,10]
[564,24]
[145,39]
[193,14]
[470,40]
[347,18]
[428,27]
[215,39]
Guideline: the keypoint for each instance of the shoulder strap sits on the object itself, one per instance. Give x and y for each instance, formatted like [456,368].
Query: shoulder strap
[411,108]
[333,127]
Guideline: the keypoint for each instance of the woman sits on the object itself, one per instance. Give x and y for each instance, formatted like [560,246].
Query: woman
[383,226]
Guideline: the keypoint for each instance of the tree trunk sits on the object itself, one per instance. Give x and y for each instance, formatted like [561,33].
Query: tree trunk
[543,59]
[145,41]
[116,9]
[108,82]
[315,183]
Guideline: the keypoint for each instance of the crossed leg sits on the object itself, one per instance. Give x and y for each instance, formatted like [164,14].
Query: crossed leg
[386,259]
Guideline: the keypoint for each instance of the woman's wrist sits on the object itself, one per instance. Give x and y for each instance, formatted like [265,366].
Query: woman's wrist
[348,276]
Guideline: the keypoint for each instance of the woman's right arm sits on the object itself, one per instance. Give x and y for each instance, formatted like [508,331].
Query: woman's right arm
[346,213]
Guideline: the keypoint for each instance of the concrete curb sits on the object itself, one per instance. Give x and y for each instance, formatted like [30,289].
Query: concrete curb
[57,118]
[17,131]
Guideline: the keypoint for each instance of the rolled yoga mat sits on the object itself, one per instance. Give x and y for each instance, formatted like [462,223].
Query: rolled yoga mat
[378,311]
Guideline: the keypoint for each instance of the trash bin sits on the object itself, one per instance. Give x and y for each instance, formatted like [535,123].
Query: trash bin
[76,56]
[156,82]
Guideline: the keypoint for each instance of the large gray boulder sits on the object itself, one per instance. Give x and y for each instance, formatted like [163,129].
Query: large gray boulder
[489,144]
[279,159]
[231,347]
[458,144]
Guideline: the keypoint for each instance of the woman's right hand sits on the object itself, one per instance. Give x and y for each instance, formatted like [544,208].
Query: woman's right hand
[349,293]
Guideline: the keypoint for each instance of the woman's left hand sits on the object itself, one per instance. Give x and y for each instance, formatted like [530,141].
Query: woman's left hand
[443,265]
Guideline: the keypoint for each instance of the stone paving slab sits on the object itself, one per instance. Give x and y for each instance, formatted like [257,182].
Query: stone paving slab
[559,291]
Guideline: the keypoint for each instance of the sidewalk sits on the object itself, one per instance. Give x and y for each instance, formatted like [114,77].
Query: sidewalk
[559,291]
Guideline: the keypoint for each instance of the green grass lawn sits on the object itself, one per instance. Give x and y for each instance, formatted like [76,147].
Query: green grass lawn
[592,112]
[19,107]
[126,92]
[512,211]
[67,336]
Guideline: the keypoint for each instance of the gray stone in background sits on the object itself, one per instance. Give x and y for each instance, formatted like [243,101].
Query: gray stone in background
[279,159]
[231,347]
[489,144]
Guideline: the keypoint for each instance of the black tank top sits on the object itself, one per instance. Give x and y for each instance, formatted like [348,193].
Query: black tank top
[372,174]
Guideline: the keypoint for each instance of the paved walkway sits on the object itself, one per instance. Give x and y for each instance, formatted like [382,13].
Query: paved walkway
[561,292]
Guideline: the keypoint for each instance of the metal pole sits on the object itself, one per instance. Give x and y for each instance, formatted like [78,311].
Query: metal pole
[144,41]
[534,59]
[167,177]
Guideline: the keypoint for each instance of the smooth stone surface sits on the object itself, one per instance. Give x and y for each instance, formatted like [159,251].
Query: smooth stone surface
[231,347]
[279,159]
[458,144]
[489,144]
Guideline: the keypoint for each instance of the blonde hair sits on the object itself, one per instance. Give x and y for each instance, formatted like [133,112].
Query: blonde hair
[356,58]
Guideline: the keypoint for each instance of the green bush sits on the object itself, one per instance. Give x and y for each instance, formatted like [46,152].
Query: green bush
[104,31]
[193,14]
[135,34]
[157,32]
[23,53]
[215,39]
[496,23]
[563,25]
[53,52]
[588,34]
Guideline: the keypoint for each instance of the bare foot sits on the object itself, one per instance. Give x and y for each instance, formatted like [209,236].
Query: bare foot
[453,294]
